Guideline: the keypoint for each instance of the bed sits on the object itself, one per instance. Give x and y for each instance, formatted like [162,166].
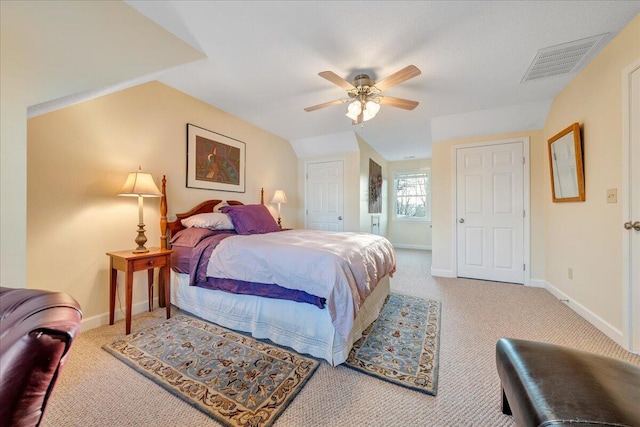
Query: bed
[335,287]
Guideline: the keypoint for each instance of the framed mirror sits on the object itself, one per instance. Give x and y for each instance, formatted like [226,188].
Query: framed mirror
[565,161]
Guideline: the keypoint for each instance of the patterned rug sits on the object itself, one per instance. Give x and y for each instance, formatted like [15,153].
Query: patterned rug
[402,345]
[234,378]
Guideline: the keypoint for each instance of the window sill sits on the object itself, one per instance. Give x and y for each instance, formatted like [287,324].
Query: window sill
[408,220]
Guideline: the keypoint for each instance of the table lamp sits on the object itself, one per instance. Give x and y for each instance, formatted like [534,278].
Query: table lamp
[140,184]
[279,197]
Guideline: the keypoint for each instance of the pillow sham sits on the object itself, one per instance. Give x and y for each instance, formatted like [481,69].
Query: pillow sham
[213,221]
[189,237]
[251,219]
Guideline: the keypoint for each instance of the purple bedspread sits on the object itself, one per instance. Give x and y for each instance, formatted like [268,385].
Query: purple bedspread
[200,255]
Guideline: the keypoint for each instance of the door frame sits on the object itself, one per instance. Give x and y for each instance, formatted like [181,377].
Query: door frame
[627,286]
[527,200]
[306,178]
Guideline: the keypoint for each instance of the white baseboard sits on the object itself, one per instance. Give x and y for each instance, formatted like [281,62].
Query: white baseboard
[405,246]
[604,326]
[103,319]
[442,273]
[536,283]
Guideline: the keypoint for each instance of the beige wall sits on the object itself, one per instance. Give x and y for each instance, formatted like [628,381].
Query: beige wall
[442,194]
[78,159]
[13,188]
[85,53]
[410,234]
[356,185]
[587,236]
[367,152]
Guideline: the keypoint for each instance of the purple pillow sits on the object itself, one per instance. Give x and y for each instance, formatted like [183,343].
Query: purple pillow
[251,219]
[190,237]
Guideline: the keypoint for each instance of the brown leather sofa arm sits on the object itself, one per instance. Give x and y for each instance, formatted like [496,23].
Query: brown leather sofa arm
[550,385]
[37,329]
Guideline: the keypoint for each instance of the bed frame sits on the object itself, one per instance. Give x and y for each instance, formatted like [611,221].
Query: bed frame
[169,228]
[321,346]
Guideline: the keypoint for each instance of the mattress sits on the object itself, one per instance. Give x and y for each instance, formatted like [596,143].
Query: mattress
[300,326]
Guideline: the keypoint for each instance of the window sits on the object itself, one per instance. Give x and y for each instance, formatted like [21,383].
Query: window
[413,195]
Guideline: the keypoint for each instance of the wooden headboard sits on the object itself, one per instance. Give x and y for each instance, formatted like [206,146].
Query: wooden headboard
[168,229]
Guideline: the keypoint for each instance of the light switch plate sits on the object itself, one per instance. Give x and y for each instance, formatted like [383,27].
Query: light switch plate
[612,195]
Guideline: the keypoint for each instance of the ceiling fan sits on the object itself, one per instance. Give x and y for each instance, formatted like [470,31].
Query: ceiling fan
[364,94]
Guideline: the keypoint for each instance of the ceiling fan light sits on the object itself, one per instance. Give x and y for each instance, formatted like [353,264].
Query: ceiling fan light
[354,110]
[370,110]
[373,107]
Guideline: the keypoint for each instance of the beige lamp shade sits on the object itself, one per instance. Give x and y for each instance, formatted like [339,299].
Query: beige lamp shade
[279,197]
[140,184]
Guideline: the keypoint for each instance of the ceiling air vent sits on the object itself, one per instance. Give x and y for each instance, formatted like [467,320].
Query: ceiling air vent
[563,58]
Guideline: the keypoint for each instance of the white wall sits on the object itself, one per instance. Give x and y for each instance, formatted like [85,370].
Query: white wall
[407,234]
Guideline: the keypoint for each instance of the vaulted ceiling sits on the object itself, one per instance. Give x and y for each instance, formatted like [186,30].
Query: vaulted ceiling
[263,60]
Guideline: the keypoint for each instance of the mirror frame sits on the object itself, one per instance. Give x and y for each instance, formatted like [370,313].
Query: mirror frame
[575,130]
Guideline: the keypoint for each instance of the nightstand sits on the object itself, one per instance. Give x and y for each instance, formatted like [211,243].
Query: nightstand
[129,262]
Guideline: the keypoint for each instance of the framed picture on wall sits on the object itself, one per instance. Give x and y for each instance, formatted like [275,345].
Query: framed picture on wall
[375,187]
[214,161]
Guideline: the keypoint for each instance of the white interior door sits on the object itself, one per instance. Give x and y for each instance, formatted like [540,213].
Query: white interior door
[632,214]
[490,212]
[325,196]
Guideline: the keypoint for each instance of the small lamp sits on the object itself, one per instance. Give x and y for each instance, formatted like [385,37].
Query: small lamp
[279,197]
[141,185]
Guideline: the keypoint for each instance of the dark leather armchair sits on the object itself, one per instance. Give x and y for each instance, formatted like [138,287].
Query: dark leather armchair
[37,329]
[546,385]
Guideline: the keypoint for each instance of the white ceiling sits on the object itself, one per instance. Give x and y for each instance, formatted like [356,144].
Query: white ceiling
[263,60]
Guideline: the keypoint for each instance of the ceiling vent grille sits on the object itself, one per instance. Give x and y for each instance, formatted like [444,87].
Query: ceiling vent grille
[563,58]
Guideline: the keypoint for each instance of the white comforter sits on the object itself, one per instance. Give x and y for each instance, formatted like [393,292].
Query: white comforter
[342,267]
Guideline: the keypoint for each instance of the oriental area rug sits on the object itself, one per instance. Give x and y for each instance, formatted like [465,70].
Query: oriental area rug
[402,345]
[232,377]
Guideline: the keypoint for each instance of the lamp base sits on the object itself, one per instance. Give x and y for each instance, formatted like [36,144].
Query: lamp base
[279,222]
[140,240]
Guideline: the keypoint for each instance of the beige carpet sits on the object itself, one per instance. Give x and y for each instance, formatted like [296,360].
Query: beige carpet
[97,390]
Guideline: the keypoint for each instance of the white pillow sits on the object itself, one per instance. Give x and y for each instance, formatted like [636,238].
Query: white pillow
[212,221]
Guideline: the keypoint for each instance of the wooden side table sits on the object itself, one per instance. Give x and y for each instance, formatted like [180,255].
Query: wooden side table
[129,262]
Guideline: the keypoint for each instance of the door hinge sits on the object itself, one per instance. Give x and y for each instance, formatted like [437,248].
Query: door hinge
[307,211]
[524,162]
[524,267]
[524,214]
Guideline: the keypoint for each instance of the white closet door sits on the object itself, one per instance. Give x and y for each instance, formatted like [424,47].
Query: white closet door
[490,212]
[325,196]
[634,163]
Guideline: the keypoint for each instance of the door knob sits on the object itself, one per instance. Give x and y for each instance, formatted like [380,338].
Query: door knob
[340,218]
[461,220]
[629,225]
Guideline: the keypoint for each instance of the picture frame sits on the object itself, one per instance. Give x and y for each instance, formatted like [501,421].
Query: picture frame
[215,161]
[375,187]
[566,166]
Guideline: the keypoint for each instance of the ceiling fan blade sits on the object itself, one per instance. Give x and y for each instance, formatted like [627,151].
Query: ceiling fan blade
[398,77]
[405,104]
[336,79]
[327,104]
